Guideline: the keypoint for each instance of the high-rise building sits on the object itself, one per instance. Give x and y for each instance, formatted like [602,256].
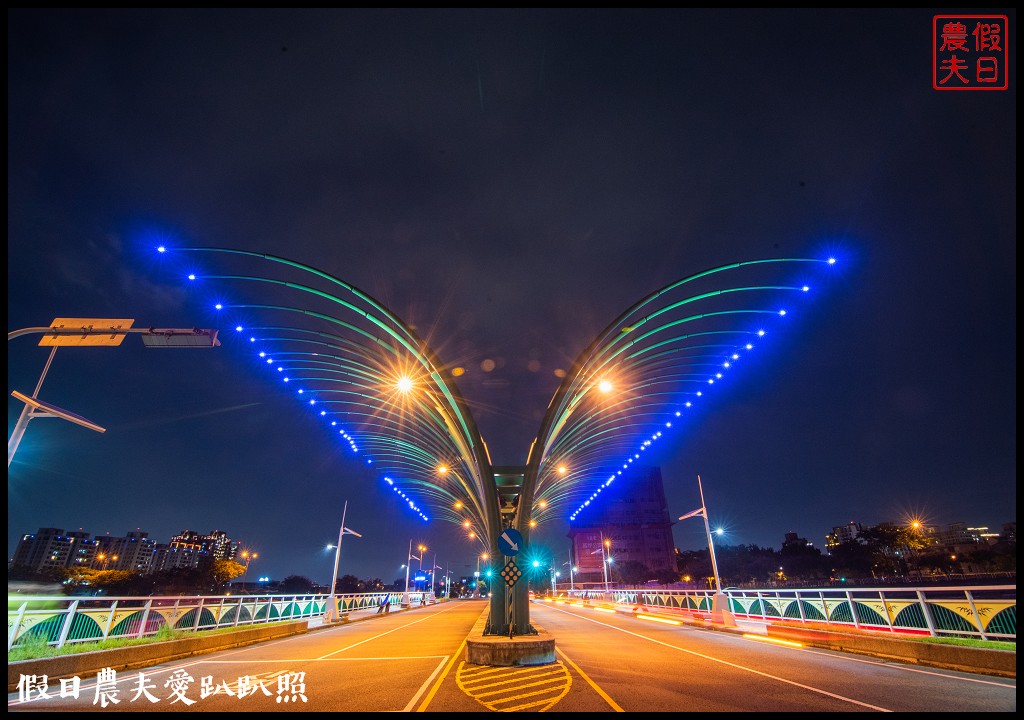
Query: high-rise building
[841,534]
[631,522]
[132,552]
[792,540]
[216,544]
[171,557]
[53,549]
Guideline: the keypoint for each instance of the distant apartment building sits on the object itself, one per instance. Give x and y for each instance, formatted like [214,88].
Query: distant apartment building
[169,556]
[132,552]
[792,540]
[958,536]
[1009,532]
[841,534]
[53,549]
[633,516]
[216,544]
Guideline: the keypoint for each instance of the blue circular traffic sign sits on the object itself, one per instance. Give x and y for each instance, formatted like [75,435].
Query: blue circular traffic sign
[510,542]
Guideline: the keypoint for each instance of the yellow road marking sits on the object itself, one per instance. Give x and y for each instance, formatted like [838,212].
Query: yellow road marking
[440,679]
[529,687]
[598,690]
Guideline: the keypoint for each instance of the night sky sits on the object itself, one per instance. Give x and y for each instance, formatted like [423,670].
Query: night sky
[508,182]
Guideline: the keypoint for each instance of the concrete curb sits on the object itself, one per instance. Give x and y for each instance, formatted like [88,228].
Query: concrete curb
[983,661]
[1002,663]
[501,651]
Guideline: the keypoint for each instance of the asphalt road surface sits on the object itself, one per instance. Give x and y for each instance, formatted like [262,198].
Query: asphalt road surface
[414,661]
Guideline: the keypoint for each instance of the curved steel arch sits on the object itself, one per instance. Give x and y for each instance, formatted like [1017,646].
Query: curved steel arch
[651,342]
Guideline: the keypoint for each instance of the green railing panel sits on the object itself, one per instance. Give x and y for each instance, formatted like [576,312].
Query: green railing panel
[130,625]
[841,613]
[229,617]
[188,620]
[868,616]
[811,612]
[911,616]
[948,621]
[81,627]
[1004,623]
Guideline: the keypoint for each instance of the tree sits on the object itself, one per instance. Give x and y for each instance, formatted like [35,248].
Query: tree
[297,584]
[851,559]
[224,571]
[633,572]
[696,565]
[350,584]
[666,576]
[804,563]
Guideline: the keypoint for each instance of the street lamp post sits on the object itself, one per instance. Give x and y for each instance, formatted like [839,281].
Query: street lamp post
[421,548]
[605,544]
[332,602]
[719,603]
[248,557]
[433,566]
[106,558]
[571,571]
[90,332]
[476,589]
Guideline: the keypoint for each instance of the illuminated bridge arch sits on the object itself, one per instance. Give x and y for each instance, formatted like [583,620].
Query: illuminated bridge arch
[391,400]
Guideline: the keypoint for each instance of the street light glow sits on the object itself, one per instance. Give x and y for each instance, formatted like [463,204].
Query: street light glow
[404,384]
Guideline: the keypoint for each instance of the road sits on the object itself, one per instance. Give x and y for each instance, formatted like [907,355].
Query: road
[606,662]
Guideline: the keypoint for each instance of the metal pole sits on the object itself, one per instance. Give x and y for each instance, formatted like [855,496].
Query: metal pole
[476,586]
[26,413]
[337,550]
[604,563]
[711,545]
[332,610]
[408,559]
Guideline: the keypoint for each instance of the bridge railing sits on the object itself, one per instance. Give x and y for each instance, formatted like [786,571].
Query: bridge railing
[984,612]
[60,620]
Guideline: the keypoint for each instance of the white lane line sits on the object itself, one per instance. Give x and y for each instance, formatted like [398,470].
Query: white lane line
[375,637]
[937,672]
[133,675]
[732,665]
[426,685]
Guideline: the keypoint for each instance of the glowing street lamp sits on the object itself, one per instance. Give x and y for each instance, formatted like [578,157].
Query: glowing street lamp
[106,558]
[719,603]
[606,544]
[332,603]
[421,548]
[248,557]
[572,569]
[476,589]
